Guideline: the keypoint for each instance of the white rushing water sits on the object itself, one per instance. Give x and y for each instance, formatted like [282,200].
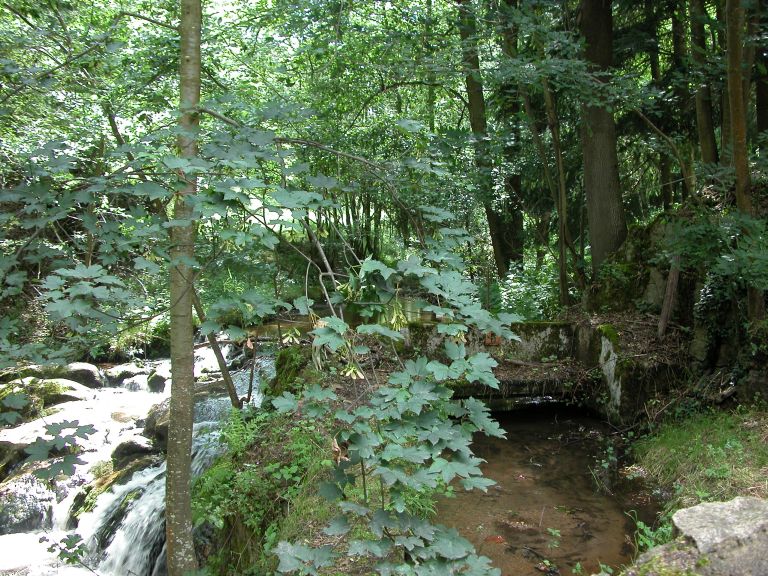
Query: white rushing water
[125,532]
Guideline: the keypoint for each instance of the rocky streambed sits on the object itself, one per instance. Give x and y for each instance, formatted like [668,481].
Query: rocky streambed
[113,502]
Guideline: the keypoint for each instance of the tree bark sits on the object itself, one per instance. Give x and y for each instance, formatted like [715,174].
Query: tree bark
[514,238]
[704,114]
[180,547]
[605,212]
[761,83]
[734,17]
[479,126]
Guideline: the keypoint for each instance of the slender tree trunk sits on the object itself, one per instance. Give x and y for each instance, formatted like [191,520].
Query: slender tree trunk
[726,133]
[562,206]
[431,77]
[180,547]
[682,96]
[479,126]
[607,226]
[704,114]
[761,83]
[514,239]
[734,15]
[735,25]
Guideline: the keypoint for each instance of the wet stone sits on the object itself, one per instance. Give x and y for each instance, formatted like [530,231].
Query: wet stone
[26,504]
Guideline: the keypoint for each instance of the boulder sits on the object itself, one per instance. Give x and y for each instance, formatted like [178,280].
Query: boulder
[716,539]
[84,373]
[26,504]
[156,424]
[43,393]
[11,454]
[118,374]
[136,383]
[156,382]
[132,449]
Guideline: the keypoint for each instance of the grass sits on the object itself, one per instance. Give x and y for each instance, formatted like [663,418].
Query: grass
[708,456]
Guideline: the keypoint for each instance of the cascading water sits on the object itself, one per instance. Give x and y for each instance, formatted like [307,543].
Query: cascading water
[125,532]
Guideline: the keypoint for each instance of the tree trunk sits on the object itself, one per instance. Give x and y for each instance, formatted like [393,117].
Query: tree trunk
[605,212]
[478,124]
[682,95]
[562,206]
[514,238]
[181,551]
[734,15]
[761,83]
[704,114]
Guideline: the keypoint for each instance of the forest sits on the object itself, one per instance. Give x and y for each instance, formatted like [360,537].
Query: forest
[363,233]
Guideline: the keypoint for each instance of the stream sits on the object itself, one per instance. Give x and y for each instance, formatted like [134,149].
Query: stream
[546,513]
[125,531]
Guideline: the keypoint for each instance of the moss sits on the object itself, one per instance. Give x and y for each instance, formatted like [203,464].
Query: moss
[678,558]
[85,501]
[41,394]
[293,369]
[609,332]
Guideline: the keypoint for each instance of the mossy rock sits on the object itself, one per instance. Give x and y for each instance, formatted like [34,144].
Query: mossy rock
[41,394]
[85,500]
[293,369]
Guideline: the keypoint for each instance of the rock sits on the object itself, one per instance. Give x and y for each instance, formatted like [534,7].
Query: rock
[130,450]
[84,373]
[10,455]
[136,383]
[739,526]
[717,539]
[118,374]
[26,504]
[156,382]
[43,393]
[156,425]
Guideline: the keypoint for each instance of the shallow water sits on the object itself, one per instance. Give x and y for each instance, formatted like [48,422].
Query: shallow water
[545,507]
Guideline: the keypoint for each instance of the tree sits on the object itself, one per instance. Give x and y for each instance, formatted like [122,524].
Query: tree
[479,126]
[734,14]
[605,212]
[181,552]
[704,112]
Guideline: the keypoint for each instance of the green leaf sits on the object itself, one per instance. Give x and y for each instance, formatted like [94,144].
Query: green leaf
[15,401]
[380,330]
[303,304]
[449,544]
[176,163]
[285,403]
[480,416]
[477,482]
[455,351]
[330,491]
[338,526]
[370,265]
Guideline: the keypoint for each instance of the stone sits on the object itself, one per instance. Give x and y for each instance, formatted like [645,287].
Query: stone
[43,393]
[156,382]
[737,525]
[118,374]
[26,504]
[716,539]
[11,454]
[132,449]
[156,425]
[136,383]
[84,373]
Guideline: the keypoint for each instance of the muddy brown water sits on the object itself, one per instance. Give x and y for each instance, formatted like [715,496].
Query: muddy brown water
[546,510]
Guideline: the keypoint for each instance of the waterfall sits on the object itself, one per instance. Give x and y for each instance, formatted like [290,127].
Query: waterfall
[127,527]
[125,531]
